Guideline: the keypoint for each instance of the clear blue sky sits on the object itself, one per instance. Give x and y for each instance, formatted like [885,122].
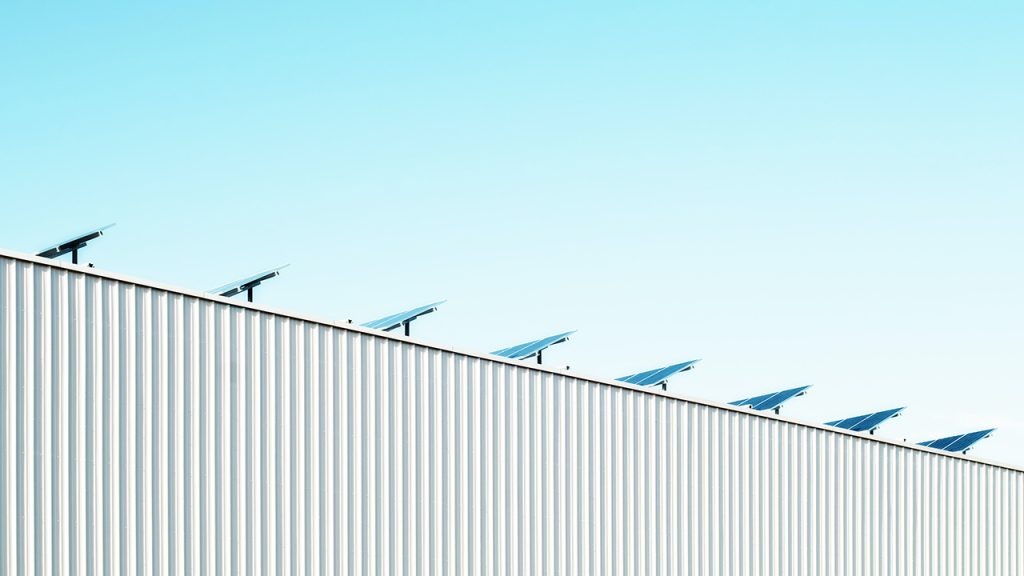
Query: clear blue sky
[815,194]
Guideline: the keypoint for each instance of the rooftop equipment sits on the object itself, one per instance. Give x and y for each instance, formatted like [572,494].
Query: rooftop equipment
[73,245]
[535,348]
[867,422]
[772,401]
[658,376]
[389,323]
[247,284]
[961,443]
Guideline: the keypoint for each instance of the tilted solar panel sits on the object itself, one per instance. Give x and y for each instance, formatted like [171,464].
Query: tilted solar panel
[866,422]
[73,244]
[530,349]
[942,443]
[396,320]
[960,443]
[658,375]
[239,286]
[771,401]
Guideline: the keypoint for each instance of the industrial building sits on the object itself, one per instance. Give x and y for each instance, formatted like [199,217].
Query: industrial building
[147,429]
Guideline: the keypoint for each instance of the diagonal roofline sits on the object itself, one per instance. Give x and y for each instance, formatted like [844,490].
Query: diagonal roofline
[611,382]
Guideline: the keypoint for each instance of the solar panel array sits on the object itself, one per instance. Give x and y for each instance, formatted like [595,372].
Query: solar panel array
[866,422]
[658,375]
[396,320]
[961,443]
[530,349]
[771,401]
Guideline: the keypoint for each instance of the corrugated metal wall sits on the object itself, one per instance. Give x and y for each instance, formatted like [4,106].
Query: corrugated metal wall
[144,431]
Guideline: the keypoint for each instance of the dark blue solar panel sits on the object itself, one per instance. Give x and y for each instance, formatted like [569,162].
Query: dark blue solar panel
[848,423]
[965,442]
[771,401]
[396,320]
[658,375]
[529,349]
[947,443]
[872,422]
[960,443]
[866,422]
[942,443]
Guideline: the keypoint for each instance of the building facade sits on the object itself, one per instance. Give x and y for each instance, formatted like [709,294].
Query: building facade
[151,430]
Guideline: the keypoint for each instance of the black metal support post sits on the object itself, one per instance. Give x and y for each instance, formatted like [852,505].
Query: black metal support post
[540,357]
[74,256]
[407,328]
[249,292]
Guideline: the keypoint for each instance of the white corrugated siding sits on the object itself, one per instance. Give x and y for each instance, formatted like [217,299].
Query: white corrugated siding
[146,431]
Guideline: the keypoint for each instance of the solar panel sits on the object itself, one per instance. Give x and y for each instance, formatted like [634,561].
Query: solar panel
[247,284]
[402,318]
[866,422]
[73,244]
[535,348]
[658,375]
[772,401]
[961,443]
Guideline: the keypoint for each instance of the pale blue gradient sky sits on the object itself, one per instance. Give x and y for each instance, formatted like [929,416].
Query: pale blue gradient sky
[798,194]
